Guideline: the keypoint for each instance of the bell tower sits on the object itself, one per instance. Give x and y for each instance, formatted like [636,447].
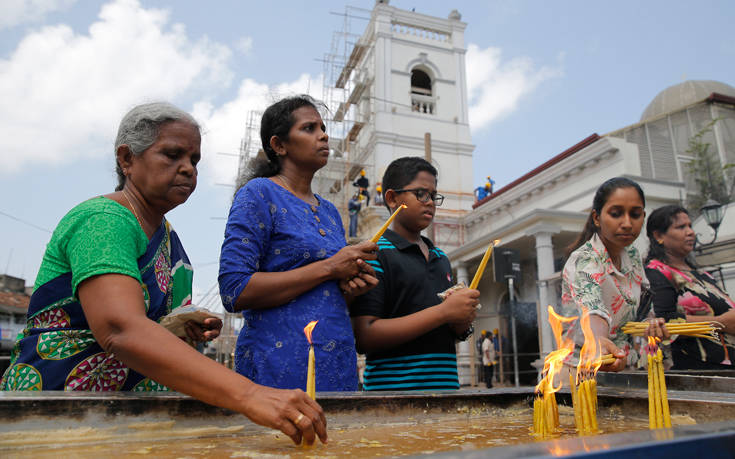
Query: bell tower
[404,92]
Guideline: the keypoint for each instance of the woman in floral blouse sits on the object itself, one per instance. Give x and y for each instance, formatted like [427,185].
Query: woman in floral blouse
[604,275]
[681,292]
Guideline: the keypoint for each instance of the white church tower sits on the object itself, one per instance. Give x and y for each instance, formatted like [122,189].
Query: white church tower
[405,94]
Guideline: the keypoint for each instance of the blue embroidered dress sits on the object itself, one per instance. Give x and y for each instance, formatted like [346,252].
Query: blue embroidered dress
[269,229]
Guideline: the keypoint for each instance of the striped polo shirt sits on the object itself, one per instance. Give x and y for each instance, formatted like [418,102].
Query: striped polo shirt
[408,283]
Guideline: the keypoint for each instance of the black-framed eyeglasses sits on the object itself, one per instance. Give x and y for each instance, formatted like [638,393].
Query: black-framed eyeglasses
[423,195]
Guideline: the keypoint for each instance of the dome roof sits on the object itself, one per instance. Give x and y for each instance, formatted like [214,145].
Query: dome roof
[683,94]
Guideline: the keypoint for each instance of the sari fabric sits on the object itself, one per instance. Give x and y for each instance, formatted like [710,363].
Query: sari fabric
[56,350]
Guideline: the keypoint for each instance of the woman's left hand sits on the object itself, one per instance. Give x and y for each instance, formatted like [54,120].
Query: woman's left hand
[657,328]
[207,331]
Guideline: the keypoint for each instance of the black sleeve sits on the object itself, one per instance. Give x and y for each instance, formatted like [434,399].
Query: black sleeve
[665,295]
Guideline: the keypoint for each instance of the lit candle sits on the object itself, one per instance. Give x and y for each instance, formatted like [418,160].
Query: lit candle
[310,372]
[662,389]
[592,394]
[483,263]
[586,421]
[575,403]
[657,394]
[387,224]
[651,395]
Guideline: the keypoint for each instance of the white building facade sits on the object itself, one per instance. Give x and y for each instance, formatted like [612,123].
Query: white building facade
[541,213]
[406,95]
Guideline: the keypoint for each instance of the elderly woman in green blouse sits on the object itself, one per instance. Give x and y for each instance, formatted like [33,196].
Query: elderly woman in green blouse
[114,267]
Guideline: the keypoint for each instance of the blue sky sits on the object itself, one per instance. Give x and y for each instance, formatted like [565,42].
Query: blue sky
[542,75]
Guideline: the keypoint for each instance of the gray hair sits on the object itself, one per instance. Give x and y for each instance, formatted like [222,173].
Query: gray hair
[140,126]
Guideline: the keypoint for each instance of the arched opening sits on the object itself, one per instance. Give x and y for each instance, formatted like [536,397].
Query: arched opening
[421,100]
[420,82]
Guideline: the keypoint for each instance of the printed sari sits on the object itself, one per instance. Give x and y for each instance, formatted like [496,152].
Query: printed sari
[57,351]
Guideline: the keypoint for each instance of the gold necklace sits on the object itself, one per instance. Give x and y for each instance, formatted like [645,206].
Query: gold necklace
[281,178]
[135,212]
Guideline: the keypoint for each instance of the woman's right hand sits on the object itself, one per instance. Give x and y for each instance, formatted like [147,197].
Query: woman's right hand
[344,265]
[291,411]
[608,347]
[461,306]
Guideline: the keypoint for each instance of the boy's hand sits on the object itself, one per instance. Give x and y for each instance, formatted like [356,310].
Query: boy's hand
[460,306]
[360,284]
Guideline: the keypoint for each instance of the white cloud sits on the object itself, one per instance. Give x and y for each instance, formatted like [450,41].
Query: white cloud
[495,87]
[15,12]
[225,126]
[244,45]
[64,93]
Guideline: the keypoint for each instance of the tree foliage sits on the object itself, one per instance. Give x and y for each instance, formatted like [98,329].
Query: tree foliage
[711,179]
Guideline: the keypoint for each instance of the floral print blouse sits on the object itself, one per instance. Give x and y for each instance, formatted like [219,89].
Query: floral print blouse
[678,294]
[591,280]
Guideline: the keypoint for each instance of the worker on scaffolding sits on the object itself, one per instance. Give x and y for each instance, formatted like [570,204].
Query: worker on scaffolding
[363,183]
[353,208]
[481,192]
[379,194]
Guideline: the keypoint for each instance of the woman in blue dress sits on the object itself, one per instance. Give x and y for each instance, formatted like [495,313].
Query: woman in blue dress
[285,262]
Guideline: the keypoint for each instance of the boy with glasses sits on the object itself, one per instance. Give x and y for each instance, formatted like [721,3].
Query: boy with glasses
[406,330]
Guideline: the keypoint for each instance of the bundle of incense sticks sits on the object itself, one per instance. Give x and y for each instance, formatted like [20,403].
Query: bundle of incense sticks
[584,400]
[658,402]
[696,329]
[545,412]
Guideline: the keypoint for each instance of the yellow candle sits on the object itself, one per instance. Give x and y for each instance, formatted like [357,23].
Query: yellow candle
[662,389]
[549,412]
[592,394]
[586,421]
[651,395]
[575,403]
[483,263]
[311,376]
[387,224]
[656,394]
[310,371]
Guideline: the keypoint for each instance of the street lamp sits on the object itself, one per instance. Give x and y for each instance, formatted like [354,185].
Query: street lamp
[713,212]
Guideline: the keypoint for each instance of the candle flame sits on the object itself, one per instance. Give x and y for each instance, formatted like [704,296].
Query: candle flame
[308,329]
[554,362]
[653,344]
[589,356]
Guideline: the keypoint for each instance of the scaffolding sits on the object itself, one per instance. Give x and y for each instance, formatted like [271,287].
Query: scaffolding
[344,88]
[348,111]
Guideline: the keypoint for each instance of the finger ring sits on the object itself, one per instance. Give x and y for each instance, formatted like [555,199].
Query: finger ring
[299,418]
